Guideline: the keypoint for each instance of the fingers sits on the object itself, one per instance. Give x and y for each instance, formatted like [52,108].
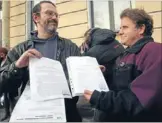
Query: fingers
[87,97]
[31,55]
[34,53]
[23,61]
[87,94]
[103,69]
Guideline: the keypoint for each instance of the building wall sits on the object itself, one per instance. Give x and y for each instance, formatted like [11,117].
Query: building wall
[73,21]
[154,8]
[17,21]
[0,32]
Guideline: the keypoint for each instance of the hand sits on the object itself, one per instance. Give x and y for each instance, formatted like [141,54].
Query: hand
[88,94]
[103,69]
[23,61]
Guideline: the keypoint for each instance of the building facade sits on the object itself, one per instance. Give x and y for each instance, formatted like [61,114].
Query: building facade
[77,16]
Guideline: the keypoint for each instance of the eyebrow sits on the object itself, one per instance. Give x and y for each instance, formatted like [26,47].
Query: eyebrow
[123,26]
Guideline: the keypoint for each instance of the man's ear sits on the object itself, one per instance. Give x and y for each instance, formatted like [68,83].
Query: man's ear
[35,17]
[142,29]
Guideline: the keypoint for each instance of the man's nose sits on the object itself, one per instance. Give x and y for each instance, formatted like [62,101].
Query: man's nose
[54,16]
[120,32]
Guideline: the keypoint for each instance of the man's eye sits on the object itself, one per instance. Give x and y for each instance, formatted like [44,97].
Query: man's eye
[50,13]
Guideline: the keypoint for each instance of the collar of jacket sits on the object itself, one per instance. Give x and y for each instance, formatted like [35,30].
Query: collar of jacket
[30,43]
[139,44]
[36,39]
[60,45]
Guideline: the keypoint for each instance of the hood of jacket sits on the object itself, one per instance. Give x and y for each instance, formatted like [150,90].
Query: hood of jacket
[34,37]
[101,36]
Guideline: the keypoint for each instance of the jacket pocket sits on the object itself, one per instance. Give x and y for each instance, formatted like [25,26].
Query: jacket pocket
[123,76]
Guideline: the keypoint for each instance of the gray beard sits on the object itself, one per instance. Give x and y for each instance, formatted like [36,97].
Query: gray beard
[50,31]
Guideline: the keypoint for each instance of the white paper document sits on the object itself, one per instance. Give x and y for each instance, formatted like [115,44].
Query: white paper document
[84,73]
[47,79]
[27,110]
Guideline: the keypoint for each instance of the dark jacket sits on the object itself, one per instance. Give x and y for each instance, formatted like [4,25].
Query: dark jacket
[12,78]
[103,46]
[6,107]
[5,104]
[136,88]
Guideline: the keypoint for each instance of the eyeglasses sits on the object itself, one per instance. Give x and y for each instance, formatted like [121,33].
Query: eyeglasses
[50,14]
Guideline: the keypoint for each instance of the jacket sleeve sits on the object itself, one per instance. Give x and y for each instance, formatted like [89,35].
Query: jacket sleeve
[142,94]
[148,86]
[118,102]
[10,76]
[75,51]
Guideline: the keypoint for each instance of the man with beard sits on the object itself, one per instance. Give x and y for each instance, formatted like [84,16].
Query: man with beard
[44,42]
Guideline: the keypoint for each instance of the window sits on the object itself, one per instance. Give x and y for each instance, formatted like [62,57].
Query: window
[106,14]
[101,14]
[119,6]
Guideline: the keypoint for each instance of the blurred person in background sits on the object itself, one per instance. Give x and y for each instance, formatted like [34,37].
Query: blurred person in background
[101,44]
[4,97]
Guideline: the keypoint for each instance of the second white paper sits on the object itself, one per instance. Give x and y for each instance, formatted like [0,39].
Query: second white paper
[47,80]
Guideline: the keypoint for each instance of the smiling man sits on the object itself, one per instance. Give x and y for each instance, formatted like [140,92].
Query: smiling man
[44,42]
[135,93]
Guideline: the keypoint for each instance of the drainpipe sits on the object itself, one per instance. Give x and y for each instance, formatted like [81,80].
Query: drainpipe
[5,23]
[111,15]
[90,8]
[29,21]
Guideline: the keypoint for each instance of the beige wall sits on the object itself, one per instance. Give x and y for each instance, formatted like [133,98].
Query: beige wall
[1,32]
[154,8]
[17,21]
[73,20]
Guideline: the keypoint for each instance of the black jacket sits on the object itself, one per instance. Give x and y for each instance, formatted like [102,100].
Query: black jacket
[136,88]
[104,48]
[12,78]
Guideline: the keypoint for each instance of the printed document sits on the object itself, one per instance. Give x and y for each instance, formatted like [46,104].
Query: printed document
[27,110]
[84,73]
[47,80]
